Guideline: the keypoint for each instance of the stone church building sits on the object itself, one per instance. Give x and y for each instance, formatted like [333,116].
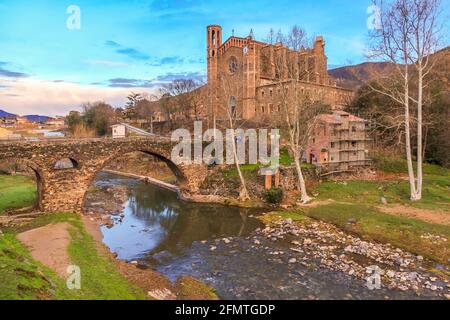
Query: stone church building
[244,80]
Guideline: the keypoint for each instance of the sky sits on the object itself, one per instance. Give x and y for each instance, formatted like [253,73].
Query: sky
[57,54]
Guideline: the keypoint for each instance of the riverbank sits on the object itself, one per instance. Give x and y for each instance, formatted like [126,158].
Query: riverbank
[40,275]
[317,245]
[194,198]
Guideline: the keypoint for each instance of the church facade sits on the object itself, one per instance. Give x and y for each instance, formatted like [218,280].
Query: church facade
[244,76]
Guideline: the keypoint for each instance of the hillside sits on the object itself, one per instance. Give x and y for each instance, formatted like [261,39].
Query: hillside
[4,114]
[352,77]
[36,118]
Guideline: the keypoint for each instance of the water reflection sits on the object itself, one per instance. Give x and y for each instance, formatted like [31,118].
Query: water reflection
[155,220]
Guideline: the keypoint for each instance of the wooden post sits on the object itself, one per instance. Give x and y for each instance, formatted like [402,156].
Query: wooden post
[268,182]
[277,179]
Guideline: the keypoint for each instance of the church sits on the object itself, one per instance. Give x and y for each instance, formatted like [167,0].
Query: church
[244,80]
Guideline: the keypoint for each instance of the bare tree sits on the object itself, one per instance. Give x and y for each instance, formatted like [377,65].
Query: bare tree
[271,36]
[232,91]
[425,41]
[299,110]
[185,97]
[408,34]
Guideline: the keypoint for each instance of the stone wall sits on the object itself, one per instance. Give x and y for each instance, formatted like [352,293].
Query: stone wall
[64,190]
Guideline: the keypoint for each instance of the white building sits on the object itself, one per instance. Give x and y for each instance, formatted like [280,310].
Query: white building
[119,131]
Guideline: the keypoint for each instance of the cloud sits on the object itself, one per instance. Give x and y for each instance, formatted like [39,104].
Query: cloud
[171,60]
[175,76]
[10,74]
[127,51]
[179,9]
[130,83]
[109,63]
[34,96]
[165,5]
[113,44]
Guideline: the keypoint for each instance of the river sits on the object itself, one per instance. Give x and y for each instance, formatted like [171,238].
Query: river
[216,244]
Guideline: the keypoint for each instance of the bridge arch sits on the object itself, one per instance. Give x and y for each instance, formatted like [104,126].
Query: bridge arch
[66,164]
[38,173]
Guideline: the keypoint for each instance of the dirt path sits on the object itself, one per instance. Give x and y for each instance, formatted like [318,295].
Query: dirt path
[431,216]
[48,245]
[157,285]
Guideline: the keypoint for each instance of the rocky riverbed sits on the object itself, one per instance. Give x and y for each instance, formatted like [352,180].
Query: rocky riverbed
[315,244]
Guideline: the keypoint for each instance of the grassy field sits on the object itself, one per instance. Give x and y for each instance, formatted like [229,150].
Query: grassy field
[436,192]
[16,192]
[23,278]
[360,201]
[371,224]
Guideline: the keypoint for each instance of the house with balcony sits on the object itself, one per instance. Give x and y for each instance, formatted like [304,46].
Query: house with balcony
[339,142]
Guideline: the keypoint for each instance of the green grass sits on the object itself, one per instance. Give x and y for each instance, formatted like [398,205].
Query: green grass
[22,278]
[17,192]
[248,170]
[373,225]
[100,279]
[285,158]
[436,192]
[399,165]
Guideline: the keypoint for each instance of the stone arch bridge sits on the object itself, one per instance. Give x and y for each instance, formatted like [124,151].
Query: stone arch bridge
[63,190]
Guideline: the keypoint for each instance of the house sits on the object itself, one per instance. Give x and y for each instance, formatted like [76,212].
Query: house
[119,131]
[8,122]
[56,122]
[123,130]
[21,121]
[338,142]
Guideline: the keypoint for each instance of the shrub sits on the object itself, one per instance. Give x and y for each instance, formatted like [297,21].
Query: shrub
[274,195]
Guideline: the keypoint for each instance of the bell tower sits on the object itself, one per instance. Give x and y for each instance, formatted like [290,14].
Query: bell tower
[213,43]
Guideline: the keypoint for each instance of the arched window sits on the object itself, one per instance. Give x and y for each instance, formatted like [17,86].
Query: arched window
[233,107]
[213,38]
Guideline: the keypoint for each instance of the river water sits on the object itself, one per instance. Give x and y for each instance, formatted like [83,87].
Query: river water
[216,244]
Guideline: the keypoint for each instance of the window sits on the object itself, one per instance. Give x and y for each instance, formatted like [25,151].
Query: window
[271,92]
[232,65]
[271,110]
[262,93]
[333,145]
[353,128]
[353,144]
[263,110]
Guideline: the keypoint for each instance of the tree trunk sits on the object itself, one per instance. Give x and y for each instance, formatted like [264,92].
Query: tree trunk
[419,137]
[301,181]
[412,182]
[243,194]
